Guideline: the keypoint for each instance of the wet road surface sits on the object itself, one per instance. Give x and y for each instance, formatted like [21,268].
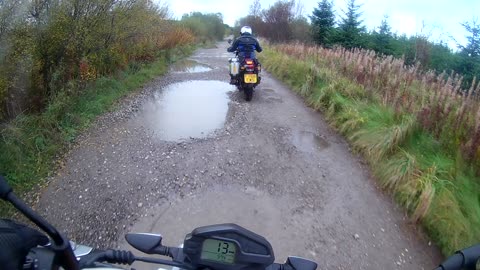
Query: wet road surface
[189,66]
[189,151]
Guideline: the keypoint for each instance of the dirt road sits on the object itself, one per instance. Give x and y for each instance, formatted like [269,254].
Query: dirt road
[189,151]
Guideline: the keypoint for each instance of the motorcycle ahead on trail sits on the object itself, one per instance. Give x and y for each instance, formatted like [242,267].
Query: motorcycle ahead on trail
[245,74]
[214,247]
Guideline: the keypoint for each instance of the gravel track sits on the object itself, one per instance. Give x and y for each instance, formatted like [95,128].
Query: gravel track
[275,167]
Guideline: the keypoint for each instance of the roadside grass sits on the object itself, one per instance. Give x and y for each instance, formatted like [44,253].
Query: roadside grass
[30,144]
[418,131]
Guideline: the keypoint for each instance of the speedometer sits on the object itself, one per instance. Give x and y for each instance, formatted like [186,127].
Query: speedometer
[218,251]
[227,246]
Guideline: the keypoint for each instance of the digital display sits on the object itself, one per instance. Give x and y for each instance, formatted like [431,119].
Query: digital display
[218,251]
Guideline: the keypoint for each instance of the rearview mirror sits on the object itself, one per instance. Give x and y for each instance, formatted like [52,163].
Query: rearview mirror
[145,242]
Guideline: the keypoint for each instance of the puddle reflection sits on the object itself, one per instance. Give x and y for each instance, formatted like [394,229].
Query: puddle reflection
[192,109]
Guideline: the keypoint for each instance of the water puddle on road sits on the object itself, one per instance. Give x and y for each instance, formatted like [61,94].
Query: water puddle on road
[189,66]
[191,109]
[309,142]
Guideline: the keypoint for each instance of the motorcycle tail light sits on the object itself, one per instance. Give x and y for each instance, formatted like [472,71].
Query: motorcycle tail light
[249,62]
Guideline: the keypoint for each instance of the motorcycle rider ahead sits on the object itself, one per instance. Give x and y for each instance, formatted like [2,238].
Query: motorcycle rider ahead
[246,45]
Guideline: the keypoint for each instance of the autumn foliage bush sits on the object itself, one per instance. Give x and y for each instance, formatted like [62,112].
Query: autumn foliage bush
[64,62]
[44,44]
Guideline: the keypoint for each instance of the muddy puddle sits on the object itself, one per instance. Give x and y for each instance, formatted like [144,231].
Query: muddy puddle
[309,142]
[189,66]
[246,206]
[191,109]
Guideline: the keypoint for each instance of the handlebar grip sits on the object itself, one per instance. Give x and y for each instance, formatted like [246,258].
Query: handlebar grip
[278,266]
[463,259]
[454,262]
[5,188]
[298,263]
[109,255]
[294,263]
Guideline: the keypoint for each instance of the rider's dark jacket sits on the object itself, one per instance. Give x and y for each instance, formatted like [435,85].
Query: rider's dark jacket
[246,44]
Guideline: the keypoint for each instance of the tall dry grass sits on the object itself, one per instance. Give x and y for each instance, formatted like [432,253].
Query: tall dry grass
[442,107]
[419,130]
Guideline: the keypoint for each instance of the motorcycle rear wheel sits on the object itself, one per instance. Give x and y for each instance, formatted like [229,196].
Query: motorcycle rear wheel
[248,89]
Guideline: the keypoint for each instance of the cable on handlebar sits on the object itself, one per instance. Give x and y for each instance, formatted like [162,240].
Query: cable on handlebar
[125,257]
[165,262]
[279,266]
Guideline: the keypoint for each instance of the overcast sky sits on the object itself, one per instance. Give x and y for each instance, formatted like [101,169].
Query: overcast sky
[441,17]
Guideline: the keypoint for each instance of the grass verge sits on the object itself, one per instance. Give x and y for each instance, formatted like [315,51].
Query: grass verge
[433,181]
[30,143]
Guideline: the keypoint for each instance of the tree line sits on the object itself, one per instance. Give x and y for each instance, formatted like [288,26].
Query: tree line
[285,21]
[205,27]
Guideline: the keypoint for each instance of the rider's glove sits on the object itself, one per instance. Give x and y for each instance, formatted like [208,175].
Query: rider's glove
[16,240]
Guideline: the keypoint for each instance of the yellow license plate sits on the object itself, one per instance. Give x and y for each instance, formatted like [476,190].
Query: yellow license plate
[250,78]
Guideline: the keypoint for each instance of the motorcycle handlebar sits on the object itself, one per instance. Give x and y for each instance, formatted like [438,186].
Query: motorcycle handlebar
[463,259]
[61,251]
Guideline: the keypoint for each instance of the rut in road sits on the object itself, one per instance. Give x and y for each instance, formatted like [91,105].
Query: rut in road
[271,165]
